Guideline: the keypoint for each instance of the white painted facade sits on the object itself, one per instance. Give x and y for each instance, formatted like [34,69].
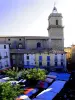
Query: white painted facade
[4,56]
[31,59]
[61,58]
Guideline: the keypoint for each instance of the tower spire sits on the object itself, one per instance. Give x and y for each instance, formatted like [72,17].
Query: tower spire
[54,8]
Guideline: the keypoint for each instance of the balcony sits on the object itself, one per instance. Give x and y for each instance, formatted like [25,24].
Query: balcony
[6,65]
[62,60]
[6,56]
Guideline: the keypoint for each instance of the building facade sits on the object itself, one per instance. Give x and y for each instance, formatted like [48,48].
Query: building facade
[4,57]
[68,51]
[27,50]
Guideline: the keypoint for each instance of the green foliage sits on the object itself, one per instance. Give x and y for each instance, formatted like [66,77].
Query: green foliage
[24,73]
[9,92]
[11,73]
[36,74]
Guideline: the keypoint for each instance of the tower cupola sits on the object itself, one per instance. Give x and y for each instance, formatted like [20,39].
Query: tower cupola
[54,10]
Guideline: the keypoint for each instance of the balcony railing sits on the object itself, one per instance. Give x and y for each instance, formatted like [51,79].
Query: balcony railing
[62,60]
[6,56]
[6,65]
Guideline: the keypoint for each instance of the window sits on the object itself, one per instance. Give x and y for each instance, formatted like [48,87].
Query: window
[48,63]
[62,57]
[48,58]
[38,45]
[0,56]
[8,39]
[6,63]
[27,57]
[62,64]
[4,46]
[40,63]
[40,58]
[56,22]
[20,45]
[10,45]
[20,39]
[55,63]
[6,55]
[27,62]
[56,59]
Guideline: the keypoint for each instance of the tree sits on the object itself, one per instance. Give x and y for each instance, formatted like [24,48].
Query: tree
[11,73]
[9,92]
[36,74]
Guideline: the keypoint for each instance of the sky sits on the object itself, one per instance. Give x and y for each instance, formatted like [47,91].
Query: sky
[30,18]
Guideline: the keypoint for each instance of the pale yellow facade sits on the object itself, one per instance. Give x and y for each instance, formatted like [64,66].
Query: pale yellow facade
[52,59]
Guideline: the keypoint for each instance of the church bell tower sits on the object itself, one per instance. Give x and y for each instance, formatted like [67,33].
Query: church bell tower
[55,30]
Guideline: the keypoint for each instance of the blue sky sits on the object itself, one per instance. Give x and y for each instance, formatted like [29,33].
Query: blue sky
[30,17]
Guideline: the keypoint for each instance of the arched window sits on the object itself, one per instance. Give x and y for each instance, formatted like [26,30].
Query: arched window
[20,46]
[38,45]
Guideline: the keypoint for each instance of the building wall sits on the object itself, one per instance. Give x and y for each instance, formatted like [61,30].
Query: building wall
[52,59]
[26,43]
[73,54]
[17,60]
[32,44]
[55,31]
[56,38]
[2,40]
[53,19]
[15,41]
[5,56]
[68,51]
[31,59]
